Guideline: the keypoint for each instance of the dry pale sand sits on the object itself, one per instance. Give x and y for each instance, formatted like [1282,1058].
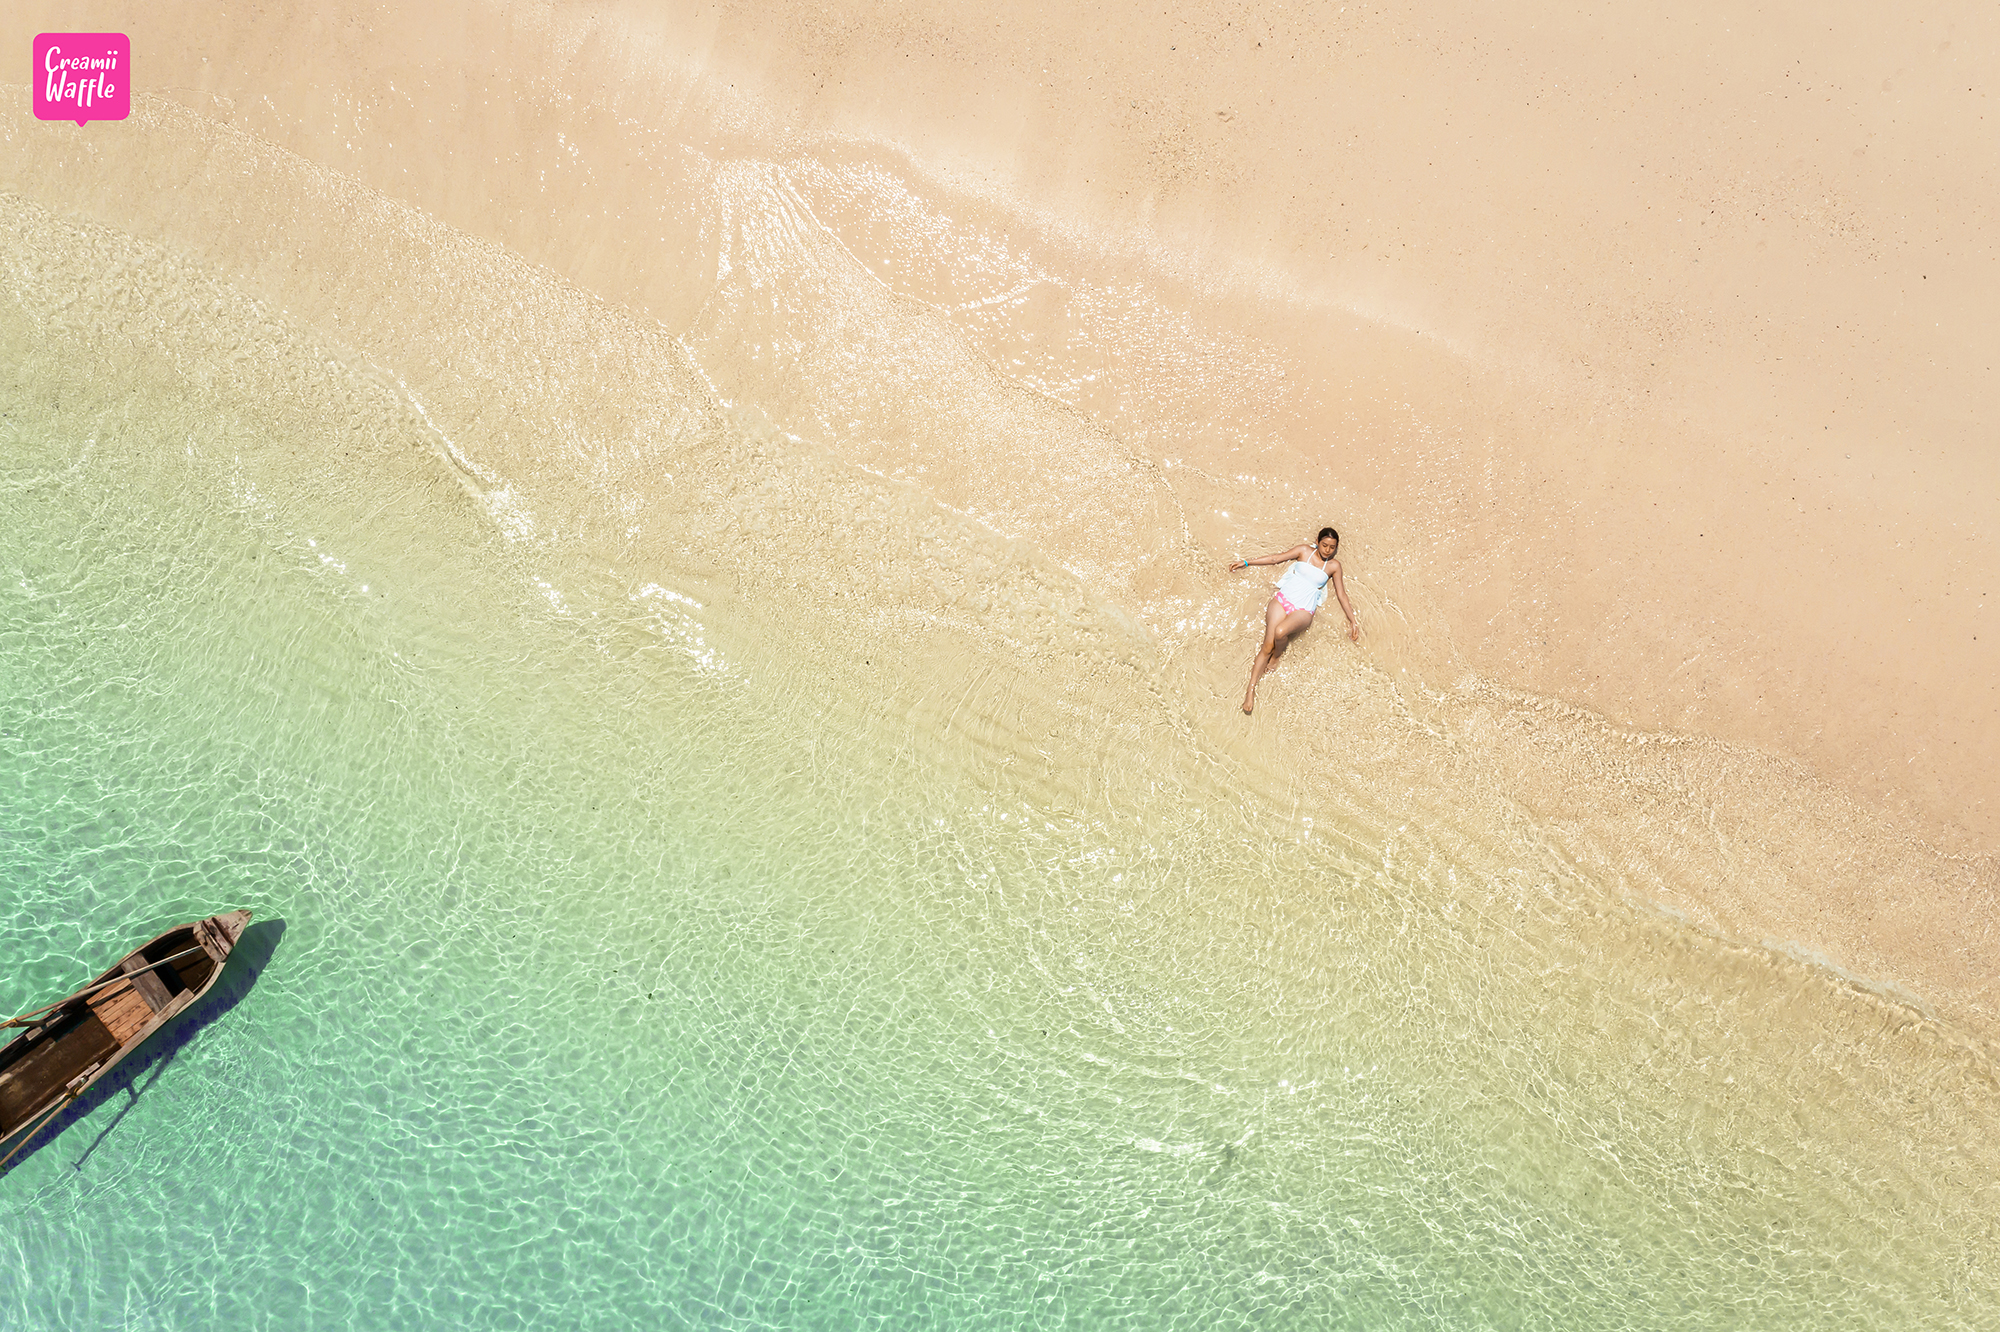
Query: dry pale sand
[1656,338]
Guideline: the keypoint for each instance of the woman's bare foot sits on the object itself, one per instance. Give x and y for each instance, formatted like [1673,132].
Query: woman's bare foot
[1257,669]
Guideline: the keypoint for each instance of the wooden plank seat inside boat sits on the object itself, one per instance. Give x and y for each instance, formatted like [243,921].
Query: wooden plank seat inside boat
[159,986]
[122,1010]
[146,984]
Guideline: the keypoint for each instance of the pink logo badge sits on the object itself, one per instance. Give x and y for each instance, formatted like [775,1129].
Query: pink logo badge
[82,76]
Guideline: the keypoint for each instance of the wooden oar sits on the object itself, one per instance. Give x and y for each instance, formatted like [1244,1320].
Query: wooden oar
[22,1020]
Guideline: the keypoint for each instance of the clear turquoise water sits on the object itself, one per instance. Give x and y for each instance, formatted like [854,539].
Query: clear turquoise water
[661,960]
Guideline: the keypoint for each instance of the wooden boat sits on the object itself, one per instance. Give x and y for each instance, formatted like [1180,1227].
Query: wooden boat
[74,1043]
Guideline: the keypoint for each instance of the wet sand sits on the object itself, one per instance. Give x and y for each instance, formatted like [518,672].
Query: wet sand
[1641,358]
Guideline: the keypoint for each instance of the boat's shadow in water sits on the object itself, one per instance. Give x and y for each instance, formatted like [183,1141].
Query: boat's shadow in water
[144,1067]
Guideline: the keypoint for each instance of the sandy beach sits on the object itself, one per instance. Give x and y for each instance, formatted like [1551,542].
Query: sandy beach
[1688,307]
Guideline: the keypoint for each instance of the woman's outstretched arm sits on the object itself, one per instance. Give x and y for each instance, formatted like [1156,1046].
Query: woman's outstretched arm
[1297,552]
[1340,590]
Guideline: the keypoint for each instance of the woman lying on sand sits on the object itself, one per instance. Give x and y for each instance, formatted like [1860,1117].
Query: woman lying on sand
[1300,592]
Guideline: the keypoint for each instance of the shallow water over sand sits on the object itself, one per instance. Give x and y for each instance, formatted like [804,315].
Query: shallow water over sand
[760,844]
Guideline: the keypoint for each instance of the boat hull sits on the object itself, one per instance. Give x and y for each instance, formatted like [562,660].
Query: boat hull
[64,1052]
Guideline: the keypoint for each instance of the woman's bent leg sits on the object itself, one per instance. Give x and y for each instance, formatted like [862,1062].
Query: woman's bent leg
[1279,627]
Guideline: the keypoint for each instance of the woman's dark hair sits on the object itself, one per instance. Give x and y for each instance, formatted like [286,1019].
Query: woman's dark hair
[1326,532]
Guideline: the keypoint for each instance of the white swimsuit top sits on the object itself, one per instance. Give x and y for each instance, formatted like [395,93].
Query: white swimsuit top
[1303,586]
